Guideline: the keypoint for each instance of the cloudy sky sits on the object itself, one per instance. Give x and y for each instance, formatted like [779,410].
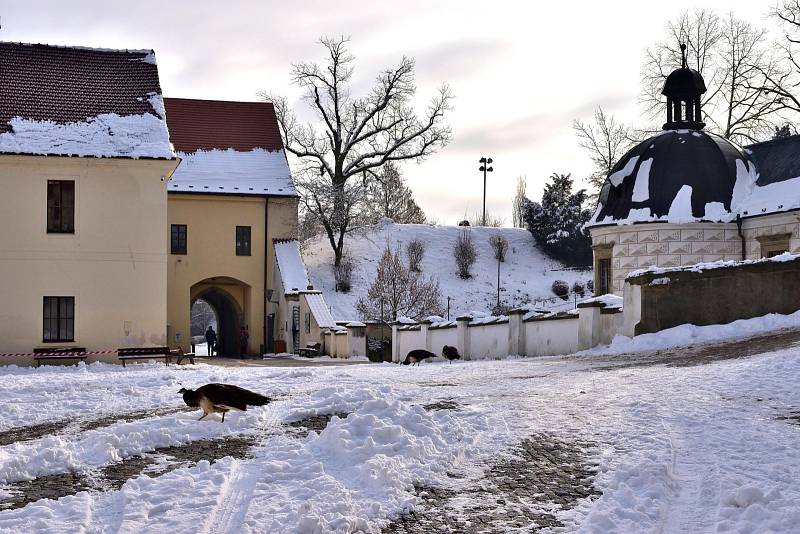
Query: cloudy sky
[521,71]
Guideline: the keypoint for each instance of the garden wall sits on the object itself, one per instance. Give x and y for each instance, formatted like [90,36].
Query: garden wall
[715,293]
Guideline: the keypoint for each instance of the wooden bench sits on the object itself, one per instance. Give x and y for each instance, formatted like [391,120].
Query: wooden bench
[59,354]
[180,355]
[145,353]
[309,351]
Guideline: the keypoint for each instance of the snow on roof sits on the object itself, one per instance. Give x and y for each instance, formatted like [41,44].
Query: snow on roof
[320,311]
[764,177]
[77,101]
[291,266]
[255,172]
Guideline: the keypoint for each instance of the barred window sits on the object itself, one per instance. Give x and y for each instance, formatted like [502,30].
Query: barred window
[59,319]
[178,239]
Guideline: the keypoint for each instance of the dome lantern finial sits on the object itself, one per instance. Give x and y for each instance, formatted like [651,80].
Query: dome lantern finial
[683,89]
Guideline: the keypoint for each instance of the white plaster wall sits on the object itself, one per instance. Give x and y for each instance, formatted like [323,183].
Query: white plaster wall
[441,337]
[547,338]
[611,324]
[409,340]
[488,341]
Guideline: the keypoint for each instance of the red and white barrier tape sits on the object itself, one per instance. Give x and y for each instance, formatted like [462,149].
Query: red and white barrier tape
[87,353]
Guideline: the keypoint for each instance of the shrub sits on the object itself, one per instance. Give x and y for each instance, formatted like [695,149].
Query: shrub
[343,273]
[590,285]
[500,247]
[561,289]
[415,250]
[578,288]
[465,254]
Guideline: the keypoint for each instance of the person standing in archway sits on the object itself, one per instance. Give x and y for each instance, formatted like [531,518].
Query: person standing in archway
[244,338]
[211,340]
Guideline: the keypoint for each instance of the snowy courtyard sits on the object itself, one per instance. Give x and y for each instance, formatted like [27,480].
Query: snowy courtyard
[694,439]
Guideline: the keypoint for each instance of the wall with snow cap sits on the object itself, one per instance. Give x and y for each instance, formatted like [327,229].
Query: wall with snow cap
[714,293]
[547,337]
[439,337]
[496,337]
[488,341]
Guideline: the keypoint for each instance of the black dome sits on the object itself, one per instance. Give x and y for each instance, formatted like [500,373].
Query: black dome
[684,83]
[663,165]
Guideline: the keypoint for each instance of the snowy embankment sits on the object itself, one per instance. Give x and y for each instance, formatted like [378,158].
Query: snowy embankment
[689,334]
[525,277]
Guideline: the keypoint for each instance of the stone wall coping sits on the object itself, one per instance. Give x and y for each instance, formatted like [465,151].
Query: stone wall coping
[553,317]
[717,268]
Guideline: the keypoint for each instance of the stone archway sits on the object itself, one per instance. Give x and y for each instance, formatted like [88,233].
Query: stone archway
[229,299]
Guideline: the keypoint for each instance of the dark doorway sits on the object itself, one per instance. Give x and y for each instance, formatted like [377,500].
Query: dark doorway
[228,321]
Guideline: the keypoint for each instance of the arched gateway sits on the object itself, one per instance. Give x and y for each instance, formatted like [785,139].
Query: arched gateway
[229,298]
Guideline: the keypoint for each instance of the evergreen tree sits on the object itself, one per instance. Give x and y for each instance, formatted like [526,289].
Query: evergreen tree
[557,222]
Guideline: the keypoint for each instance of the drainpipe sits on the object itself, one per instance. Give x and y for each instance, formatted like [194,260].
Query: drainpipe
[266,268]
[741,236]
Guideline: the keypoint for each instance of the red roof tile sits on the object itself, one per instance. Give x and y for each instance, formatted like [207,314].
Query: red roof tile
[209,124]
[70,84]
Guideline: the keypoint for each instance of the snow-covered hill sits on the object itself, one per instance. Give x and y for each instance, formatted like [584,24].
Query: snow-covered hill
[525,276]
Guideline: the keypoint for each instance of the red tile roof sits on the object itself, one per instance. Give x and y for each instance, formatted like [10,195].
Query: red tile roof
[208,124]
[71,84]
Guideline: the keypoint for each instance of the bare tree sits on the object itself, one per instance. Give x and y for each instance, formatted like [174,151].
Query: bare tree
[465,254]
[397,291]
[354,135]
[415,250]
[499,246]
[739,69]
[387,195]
[785,82]
[606,140]
[518,205]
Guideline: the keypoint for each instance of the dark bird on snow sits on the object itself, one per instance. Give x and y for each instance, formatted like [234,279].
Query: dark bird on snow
[221,398]
[451,353]
[417,355]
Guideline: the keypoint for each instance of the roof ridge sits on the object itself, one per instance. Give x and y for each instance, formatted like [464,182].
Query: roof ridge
[217,101]
[86,48]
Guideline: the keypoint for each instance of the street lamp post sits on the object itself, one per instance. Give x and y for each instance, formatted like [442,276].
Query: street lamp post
[485,162]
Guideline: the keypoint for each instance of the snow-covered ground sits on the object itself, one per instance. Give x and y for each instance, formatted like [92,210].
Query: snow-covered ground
[526,276]
[679,449]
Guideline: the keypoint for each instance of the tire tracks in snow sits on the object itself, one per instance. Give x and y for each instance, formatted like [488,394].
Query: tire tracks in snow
[234,500]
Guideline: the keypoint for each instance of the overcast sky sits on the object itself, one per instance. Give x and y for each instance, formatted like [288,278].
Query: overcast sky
[521,71]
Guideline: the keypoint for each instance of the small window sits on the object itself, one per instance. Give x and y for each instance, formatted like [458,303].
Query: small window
[59,319]
[776,252]
[308,323]
[242,240]
[604,275]
[178,239]
[60,207]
